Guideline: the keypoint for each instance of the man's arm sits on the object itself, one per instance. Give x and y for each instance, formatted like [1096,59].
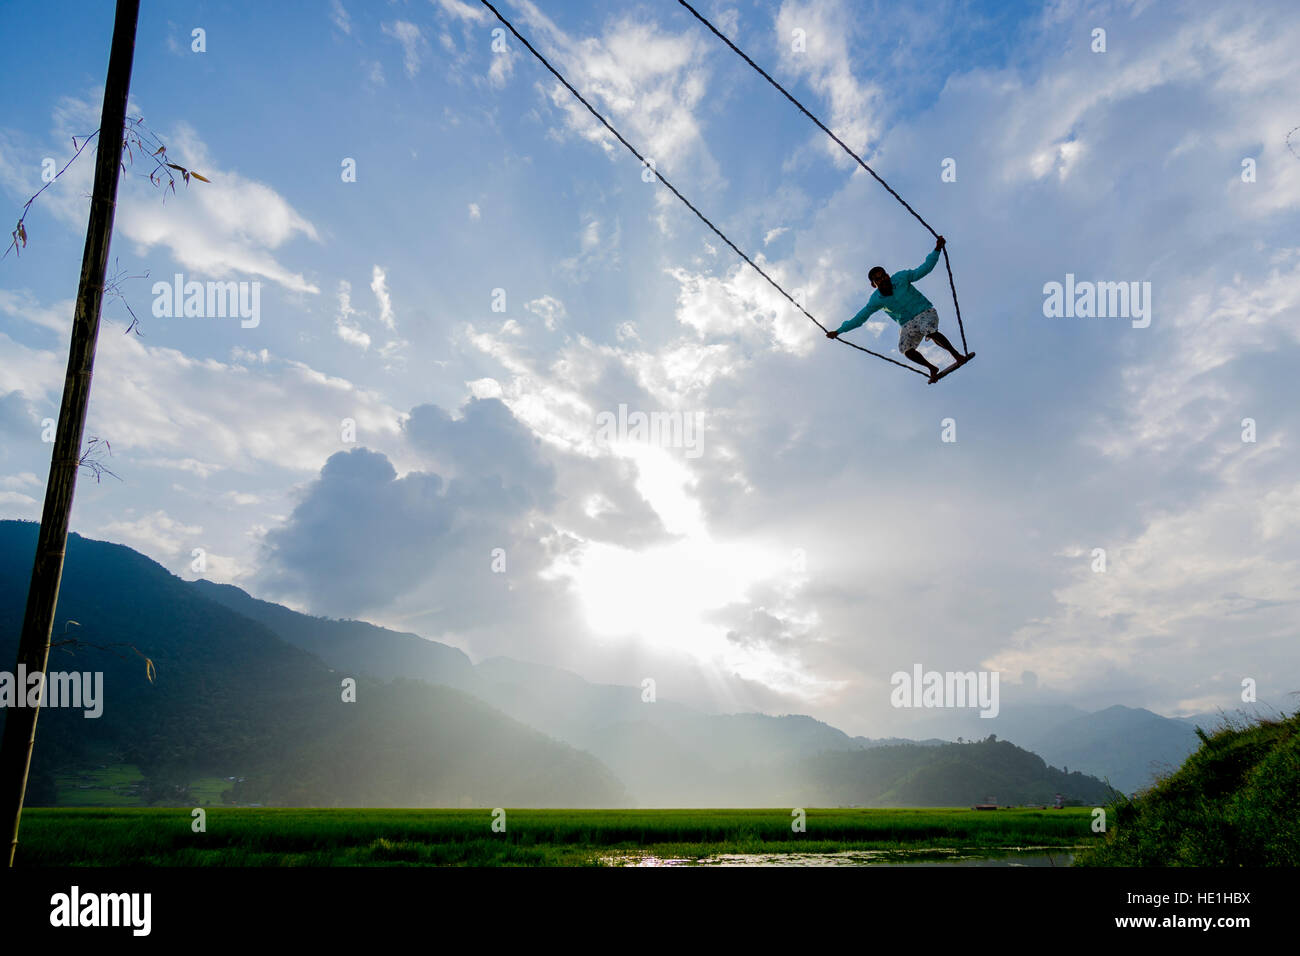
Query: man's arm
[923,270]
[863,314]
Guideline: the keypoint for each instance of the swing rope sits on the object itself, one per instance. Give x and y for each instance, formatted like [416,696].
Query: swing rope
[802,109]
[720,234]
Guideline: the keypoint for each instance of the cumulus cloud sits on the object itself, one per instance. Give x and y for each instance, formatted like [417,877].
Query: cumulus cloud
[321,553]
[421,546]
[484,441]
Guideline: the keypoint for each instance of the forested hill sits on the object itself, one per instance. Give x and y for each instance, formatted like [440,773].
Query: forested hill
[952,775]
[230,698]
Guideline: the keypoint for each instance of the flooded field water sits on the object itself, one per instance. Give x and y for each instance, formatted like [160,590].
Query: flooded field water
[1028,856]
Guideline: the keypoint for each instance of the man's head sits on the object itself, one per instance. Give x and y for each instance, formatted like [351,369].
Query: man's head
[880,280]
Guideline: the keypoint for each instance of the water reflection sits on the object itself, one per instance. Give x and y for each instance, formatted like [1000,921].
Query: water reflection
[1036,857]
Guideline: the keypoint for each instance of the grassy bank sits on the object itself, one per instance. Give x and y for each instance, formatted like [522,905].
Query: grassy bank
[1232,803]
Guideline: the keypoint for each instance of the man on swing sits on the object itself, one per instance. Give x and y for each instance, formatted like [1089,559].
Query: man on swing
[913,312]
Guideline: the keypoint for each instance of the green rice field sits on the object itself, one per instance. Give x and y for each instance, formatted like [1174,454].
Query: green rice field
[134,836]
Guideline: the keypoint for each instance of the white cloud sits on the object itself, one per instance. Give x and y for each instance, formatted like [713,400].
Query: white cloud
[20,305]
[352,336]
[156,533]
[413,43]
[228,226]
[193,466]
[393,353]
[649,83]
[598,248]
[743,305]
[346,331]
[465,11]
[549,308]
[18,505]
[1207,332]
[1191,577]
[339,16]
[231,225]
[249,356]
[379,286]
[153,401]
[243,498]
[1058,158]
[832,50]
[503,67]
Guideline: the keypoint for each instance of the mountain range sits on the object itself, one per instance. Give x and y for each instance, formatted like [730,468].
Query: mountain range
[250,689]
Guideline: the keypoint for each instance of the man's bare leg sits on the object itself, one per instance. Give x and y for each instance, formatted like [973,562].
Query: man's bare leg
[941,340]
[919,359]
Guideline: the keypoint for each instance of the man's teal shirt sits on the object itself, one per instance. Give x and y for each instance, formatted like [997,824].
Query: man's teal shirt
[906,302]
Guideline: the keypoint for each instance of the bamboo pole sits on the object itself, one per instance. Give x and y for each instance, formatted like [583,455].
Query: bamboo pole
[47,569]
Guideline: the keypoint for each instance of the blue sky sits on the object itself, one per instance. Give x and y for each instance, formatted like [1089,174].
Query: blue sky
[824,536]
